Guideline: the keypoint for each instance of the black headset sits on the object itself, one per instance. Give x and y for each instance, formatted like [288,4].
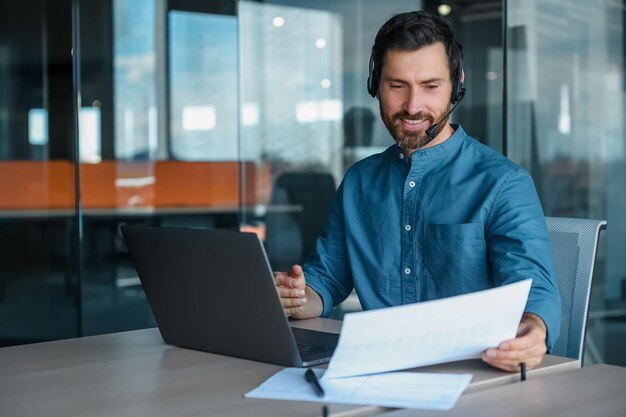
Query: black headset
[458,91]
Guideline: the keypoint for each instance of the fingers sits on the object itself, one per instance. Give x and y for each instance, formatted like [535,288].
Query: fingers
[529,349]
[293,302]
[499,356]
[513,365]
[283,280]
[291,289]
[529,346]
[524,342]
[296,271]
[293,306]
[294,278]
[291,292]
[293,310]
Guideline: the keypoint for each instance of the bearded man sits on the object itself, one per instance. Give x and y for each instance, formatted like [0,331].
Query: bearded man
[435,215]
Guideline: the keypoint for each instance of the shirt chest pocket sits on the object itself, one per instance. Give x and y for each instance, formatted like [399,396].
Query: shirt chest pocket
[456,259]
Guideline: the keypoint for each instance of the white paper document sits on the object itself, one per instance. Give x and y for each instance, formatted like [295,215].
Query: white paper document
[372,343]
[392,389]
[427,333]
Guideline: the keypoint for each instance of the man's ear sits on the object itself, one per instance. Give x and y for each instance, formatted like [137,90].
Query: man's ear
[462,76]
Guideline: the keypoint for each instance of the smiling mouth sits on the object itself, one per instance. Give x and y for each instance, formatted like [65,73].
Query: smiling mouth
[413,122]
[413,125]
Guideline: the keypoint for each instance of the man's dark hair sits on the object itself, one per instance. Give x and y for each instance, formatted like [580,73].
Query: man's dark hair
[411,31]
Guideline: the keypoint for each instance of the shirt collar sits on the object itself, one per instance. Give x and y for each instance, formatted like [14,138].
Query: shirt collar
[441,150]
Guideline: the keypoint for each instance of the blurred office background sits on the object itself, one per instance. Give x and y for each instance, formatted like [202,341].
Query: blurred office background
[246,114]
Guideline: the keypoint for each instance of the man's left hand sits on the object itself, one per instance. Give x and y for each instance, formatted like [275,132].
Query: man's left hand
[529,346]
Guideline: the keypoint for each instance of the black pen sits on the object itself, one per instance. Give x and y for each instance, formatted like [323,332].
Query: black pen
[310,376]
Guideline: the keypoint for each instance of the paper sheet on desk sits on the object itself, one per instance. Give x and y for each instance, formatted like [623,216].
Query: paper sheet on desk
[428,333]
[373,342]
[392,389]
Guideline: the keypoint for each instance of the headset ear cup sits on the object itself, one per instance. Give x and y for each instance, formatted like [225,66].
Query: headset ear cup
[455,93]
[458,91]
[372,85]
[459,96]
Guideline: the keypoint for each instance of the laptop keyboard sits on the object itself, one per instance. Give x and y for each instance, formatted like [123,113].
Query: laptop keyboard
[311,349]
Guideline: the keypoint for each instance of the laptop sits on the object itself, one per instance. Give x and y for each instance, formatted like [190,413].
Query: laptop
[214,291]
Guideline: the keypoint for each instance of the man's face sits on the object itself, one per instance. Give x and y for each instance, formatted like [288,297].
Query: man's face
[414,94]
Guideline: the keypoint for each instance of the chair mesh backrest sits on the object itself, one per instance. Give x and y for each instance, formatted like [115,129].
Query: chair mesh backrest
[574,244]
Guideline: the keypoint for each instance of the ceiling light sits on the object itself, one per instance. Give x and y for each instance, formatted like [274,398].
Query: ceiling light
[320,43]
[278,21]
[444,9]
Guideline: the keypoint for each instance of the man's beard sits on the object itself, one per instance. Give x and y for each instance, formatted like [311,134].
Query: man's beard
[405,139]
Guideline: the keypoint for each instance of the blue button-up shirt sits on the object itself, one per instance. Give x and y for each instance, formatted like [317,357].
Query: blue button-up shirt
[456,218]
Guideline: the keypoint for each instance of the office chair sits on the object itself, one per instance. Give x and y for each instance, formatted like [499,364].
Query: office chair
[574,245]
[291,236]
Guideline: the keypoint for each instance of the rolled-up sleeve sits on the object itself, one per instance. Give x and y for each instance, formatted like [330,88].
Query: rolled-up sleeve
[519,248]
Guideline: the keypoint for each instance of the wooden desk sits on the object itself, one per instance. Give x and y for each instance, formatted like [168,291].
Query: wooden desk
[132,374]
[136,374]
[597,391]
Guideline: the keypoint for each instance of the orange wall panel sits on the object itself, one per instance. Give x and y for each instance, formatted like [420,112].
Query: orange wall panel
[35,185]
[117,184]
[111,184]
[197,184]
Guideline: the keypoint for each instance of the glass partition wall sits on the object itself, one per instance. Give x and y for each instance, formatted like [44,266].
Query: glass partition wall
[565,116]
[246,115]
[39,251]
[159,82]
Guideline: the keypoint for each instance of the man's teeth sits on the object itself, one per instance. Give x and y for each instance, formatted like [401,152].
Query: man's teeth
[413,121]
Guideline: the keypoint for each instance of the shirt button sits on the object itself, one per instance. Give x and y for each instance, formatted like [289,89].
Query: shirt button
[401,156]
[407,227]
[412,184]
[407,271]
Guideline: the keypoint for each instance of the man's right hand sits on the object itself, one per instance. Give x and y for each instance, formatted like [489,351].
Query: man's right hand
[292,290]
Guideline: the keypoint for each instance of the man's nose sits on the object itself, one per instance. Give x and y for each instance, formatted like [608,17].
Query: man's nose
[413,101]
